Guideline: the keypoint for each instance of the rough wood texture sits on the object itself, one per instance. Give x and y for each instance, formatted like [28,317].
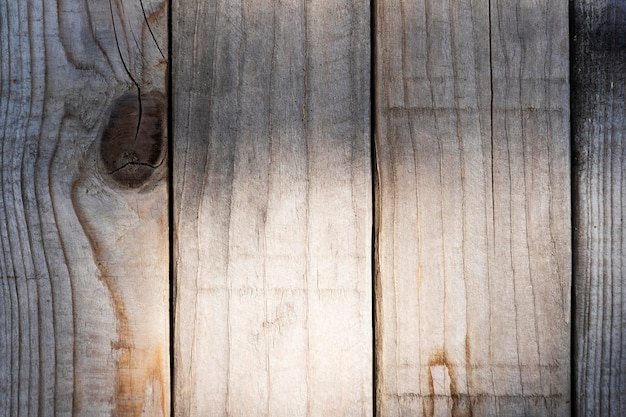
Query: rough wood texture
[598,105]
[273,213]
[473,208]
[83,256]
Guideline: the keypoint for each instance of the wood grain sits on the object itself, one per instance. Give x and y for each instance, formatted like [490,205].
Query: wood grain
[598,104]
[83,262]
[473,208]
[273,215]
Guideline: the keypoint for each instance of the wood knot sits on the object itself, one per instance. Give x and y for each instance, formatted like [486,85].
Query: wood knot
[133,145]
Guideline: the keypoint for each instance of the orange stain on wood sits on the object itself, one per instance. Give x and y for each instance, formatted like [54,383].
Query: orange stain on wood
[131,149]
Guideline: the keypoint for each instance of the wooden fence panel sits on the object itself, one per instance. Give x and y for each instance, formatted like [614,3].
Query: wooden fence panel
[473,208]
[272,208]
[599,155]
[83,208]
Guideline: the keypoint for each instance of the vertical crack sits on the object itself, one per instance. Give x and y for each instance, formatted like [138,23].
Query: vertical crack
[119,51]
[492,114]
[170,206]
[574,401]
[145,18]
[375,202]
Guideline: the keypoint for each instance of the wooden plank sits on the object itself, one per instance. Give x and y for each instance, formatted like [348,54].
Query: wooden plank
[272,189]
[598,91]
[472,214]
[83,255]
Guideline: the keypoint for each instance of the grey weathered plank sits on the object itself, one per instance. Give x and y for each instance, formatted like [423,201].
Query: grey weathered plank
[83,260]
[599,123]
[273,215]
[473,208]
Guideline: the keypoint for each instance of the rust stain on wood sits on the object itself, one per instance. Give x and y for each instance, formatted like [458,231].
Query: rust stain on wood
[137,368]
[439,358]
[446,373]
[134,381]
[131,153]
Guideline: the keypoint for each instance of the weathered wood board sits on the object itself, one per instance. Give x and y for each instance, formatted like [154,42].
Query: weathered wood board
[599,164]
[272,208]
[472,216]
[83,208]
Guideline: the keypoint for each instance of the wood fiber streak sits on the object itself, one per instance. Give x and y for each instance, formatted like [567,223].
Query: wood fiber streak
[599,168]
[272,188]
[472,213]
[63,227]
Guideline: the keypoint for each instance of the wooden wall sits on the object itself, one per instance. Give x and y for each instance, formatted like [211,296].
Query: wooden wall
[311,208]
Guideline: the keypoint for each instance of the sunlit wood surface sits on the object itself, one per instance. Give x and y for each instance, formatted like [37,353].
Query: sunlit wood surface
[473,262]
[272,208]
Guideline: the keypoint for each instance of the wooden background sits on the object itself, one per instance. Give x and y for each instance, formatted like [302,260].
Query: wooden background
[312,208]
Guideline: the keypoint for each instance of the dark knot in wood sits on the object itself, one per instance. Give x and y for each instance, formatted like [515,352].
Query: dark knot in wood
[133,143]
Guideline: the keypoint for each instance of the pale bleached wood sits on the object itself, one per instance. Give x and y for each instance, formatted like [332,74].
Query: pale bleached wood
[472,214]
[83,261]
[598,105]
[273,214]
